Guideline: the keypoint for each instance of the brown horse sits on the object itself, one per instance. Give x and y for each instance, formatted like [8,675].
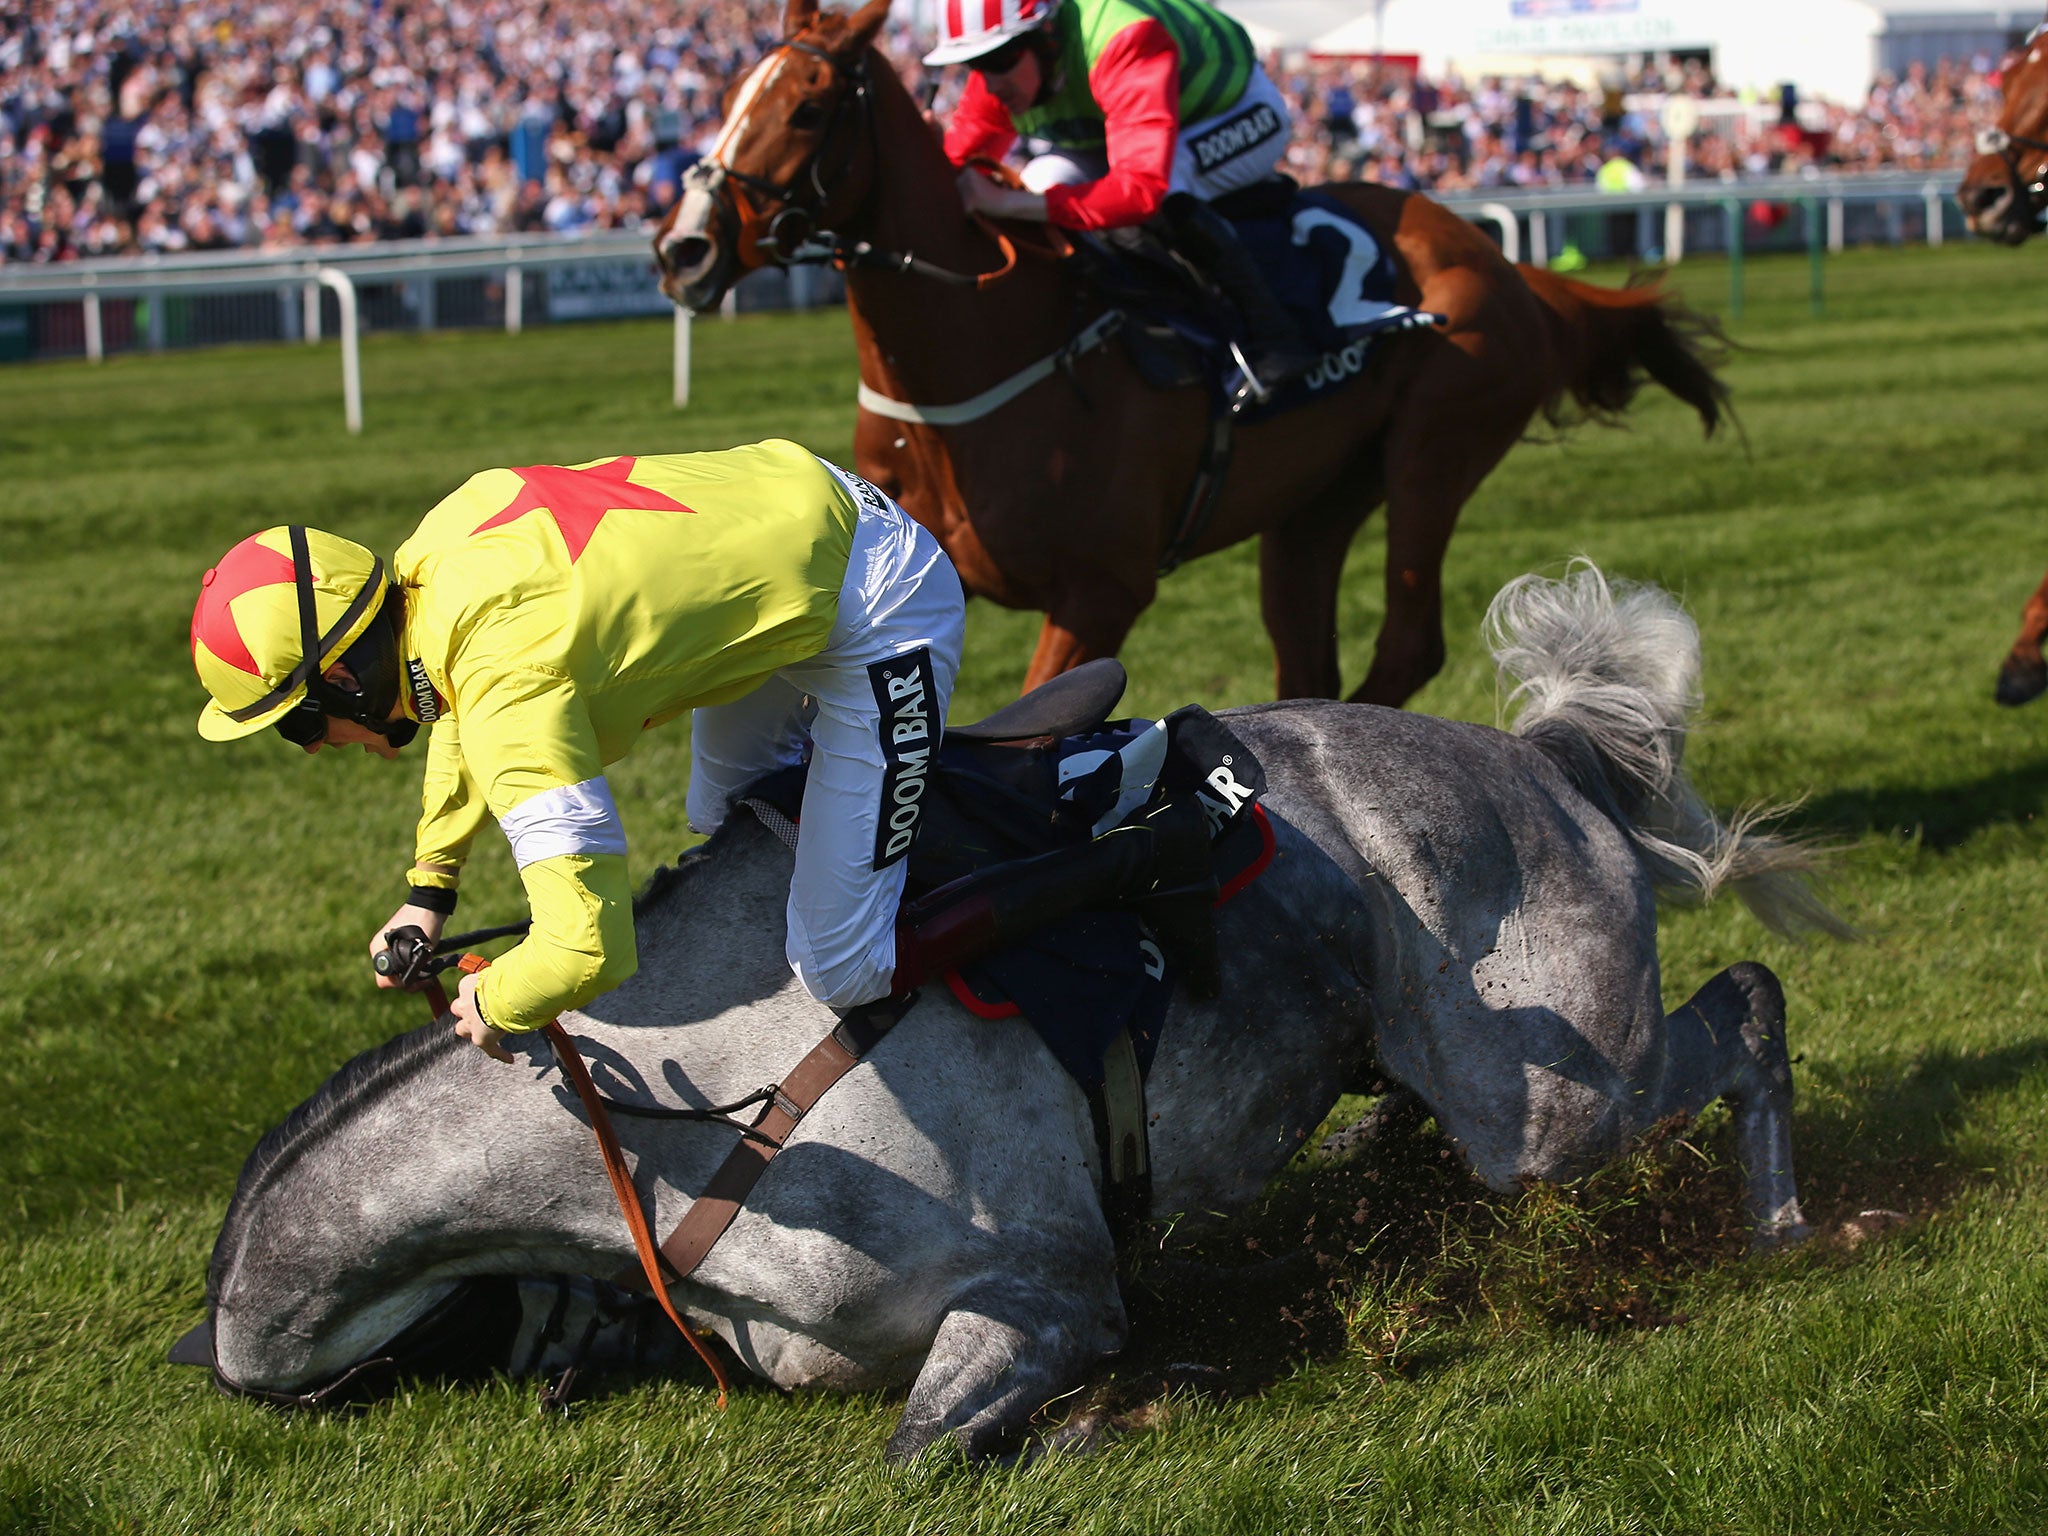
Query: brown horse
[2005,196]
[1064,498]
[2005,190]
[2025,673]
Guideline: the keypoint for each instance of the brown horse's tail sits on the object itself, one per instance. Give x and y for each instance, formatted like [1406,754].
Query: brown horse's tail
[1611,340]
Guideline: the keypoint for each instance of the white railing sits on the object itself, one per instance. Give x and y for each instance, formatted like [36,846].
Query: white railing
[1509,209]
[297,276]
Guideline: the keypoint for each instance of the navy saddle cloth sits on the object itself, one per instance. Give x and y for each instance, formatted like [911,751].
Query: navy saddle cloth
[1083,978]
[1323,265]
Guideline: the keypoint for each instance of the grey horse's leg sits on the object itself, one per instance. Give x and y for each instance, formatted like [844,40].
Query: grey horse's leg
[1006,1349]
[1728,1042]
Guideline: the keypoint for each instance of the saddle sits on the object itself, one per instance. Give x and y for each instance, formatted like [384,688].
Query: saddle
[1052,770]
[1323,266]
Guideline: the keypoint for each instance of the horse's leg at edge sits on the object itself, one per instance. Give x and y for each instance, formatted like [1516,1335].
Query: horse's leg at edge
[1423,502]
[1082,625]
[1437,453]
[1006,1349]
[1459,414]
[1301,565]
[2025,673]
[1728,1041]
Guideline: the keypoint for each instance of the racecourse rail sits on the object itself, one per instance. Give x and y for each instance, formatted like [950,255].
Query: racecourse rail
[158,302]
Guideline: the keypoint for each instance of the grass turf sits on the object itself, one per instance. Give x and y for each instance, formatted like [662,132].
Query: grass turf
[185,926]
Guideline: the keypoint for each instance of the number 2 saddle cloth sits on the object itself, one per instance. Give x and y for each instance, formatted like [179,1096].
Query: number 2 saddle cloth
[1323,265]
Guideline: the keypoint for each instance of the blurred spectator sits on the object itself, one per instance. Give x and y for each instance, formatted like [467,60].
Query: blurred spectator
[169,125]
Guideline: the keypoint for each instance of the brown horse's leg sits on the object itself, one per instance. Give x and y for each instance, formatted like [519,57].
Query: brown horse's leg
[1433,465]
[1301,564]
[1086,622]
[2025,673]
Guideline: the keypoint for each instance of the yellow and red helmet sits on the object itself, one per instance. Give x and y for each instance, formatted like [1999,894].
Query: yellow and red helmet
[282,607]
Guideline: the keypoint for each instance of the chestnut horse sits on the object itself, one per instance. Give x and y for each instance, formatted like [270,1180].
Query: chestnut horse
[2005,190]
[2025,673]
[1065,497]
[2005,197]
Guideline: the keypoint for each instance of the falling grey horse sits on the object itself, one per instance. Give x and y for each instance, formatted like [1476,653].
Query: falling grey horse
[1466,913]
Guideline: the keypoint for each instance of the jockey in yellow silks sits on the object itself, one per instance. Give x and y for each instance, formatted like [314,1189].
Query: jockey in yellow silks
[541,618]
[545,617]
[1139,112]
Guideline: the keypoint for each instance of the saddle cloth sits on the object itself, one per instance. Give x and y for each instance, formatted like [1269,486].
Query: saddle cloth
[1322,264]
[1085,978]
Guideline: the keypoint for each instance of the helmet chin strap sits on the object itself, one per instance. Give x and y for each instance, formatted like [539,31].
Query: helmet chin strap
[329,698]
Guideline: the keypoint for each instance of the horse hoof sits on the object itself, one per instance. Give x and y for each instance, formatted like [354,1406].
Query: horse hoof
[1774,1236]
[2019,682]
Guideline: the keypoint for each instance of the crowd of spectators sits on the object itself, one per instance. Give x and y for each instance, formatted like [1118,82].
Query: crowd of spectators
[136,126]
[1354,120]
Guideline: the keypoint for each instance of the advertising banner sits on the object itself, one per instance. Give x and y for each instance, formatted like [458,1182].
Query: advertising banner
[605,290]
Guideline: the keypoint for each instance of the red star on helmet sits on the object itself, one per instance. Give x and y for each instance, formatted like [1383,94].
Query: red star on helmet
[578,499]
[249,565]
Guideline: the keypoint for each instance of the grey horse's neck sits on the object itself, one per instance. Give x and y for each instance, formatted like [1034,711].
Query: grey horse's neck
[367,1080]
[422,1160]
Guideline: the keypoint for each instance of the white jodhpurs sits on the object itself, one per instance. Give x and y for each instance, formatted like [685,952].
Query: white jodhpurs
[871,706]
[1219,154]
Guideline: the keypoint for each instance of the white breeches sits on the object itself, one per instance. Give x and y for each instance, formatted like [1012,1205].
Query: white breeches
[872,717]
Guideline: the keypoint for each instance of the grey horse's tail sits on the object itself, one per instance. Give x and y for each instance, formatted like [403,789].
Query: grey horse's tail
[1605,678]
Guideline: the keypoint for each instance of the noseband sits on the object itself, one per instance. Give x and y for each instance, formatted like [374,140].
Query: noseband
[2031,195]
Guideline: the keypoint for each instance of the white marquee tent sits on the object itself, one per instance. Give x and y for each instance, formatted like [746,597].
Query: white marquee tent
[1828,48]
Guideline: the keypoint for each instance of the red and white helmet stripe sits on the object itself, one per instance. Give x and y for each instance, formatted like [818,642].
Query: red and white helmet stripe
[970,28]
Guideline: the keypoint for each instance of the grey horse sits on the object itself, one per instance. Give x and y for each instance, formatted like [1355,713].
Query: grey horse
[1464,912]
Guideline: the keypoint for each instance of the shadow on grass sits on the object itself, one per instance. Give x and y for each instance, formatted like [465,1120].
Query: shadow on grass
[1385,1258]
[1896,1135]
[1941,816]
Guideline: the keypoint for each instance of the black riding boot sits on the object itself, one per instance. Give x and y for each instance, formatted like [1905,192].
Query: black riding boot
[1278,350]
[1161,867]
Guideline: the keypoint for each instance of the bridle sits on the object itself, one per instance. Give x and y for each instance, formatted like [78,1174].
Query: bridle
[2006,145]
[792,234]
[2032,195]
[790,227]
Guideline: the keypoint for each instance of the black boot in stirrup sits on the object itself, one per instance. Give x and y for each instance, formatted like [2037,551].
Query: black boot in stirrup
[1278,351]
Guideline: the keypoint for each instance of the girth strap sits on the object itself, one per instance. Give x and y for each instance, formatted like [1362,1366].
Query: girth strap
[1204,493]
[829,1060]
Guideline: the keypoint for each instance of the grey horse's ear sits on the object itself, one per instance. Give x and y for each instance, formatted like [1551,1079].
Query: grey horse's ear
[798,14]
[867,21]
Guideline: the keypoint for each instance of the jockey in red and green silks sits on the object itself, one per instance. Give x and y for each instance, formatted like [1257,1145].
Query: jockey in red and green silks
[1143,108]
[1131,91]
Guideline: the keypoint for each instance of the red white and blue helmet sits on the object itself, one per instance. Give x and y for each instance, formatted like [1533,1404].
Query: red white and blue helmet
[970,28]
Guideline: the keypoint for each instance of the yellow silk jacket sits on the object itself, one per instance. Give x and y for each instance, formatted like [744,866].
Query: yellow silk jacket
[558,612]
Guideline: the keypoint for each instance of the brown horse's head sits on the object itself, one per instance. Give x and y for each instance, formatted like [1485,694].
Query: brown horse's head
[2005,191]
[791,158]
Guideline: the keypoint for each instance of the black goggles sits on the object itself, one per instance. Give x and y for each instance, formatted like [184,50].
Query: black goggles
[1004,59]
[303,724]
